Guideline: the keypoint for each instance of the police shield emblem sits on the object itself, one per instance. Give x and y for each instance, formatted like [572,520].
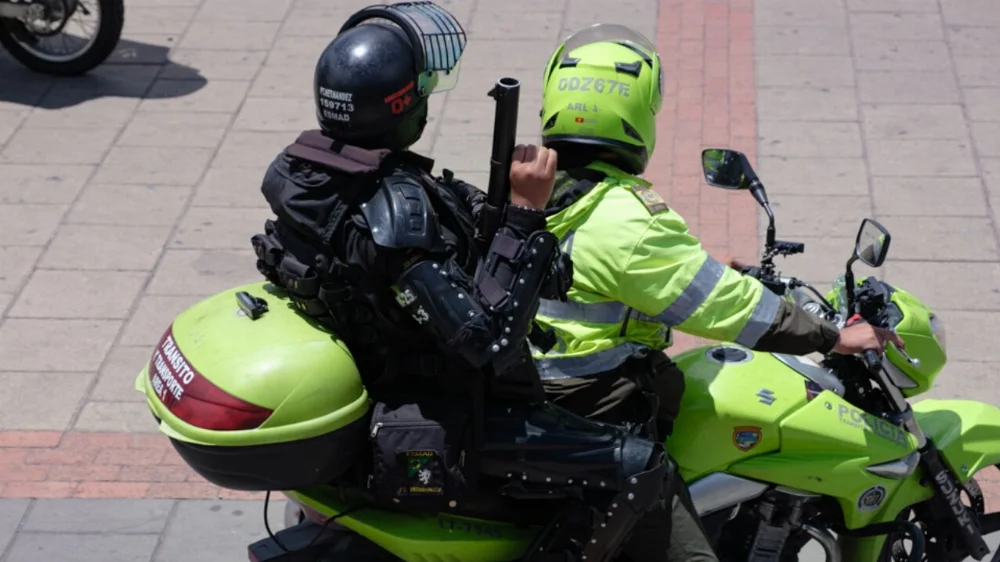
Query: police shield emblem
[746,437]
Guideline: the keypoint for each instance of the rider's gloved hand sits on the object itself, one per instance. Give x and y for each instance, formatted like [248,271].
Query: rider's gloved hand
[862,336]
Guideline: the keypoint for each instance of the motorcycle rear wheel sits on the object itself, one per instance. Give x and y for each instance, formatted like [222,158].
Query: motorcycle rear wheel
[18,38]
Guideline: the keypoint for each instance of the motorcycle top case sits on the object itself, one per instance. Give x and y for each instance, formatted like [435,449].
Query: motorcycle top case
[272,403]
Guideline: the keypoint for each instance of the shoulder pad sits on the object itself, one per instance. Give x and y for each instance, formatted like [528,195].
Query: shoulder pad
[650,198]
[400,215]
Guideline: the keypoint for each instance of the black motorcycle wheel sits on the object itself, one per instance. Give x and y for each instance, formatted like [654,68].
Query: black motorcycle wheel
[23,39]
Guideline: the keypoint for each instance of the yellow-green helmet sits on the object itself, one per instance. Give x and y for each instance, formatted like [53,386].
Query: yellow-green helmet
[603,87]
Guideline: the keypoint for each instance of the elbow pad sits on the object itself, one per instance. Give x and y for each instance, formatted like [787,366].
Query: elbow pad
[440,305]
[512,277]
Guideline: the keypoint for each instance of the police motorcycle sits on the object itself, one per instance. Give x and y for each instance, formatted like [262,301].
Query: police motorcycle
[802,450]
[61,37]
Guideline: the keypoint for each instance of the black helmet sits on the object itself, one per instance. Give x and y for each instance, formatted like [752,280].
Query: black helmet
[372,81]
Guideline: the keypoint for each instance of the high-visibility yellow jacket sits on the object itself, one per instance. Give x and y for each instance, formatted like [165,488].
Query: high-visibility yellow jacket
[638,273]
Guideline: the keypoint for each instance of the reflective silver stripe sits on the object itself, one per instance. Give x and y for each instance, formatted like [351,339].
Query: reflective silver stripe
[760,320]
[694,294]
[571,311]
[600,362]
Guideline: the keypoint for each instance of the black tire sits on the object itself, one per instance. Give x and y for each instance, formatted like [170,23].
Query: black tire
[108,35]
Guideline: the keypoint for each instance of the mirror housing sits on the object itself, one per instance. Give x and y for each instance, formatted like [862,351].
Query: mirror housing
[870,248]
[872,244]
[724,168]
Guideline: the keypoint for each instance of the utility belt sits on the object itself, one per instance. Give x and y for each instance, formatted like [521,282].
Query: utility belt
[660,386]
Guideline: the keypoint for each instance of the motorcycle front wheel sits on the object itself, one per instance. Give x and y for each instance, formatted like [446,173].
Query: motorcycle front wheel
[64,37]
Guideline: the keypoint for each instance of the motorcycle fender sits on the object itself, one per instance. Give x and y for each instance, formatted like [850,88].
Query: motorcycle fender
[968,435]
[965,431]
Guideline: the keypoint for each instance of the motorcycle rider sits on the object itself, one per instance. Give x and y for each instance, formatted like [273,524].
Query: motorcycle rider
[602,91]
[369,244]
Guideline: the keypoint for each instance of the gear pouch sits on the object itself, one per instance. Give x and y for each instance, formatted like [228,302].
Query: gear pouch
[419,453]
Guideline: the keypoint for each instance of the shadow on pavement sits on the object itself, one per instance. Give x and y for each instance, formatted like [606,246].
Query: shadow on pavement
[128,73]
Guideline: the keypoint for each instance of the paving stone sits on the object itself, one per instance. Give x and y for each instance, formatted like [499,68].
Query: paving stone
[529,55]
[806,104]
[203,272]
[116,380]
[222,96]
[30,183]
[970,334]
[809,139]
[71,547]
[78,294]
[991,174]
[172,20]
[57,345]
[974,41]
[70,146]
[230,35]
[245,10]
[116,417]
[932,197]
[799,216]
[472,117]
[814,175]
[11,514]
[892,5]
[971,12]
[83,247]
[152,318]
[94,113]
[120,517]
[292,114]
[142,205]
[304,21]
[251,149]
[207,64]
[982,104]
[220,228]
[282,81]
[108,80]
[987,138]
[475,84]
[801,40]
[949,285]
[192,534]
[29,225]
[941,238]
[920,158]
[514,26]
[912,26]
[154,165]
[792,12]
[470,153]
[966,380]
[16,263]
[811,71]
[824,258]
[29,402]
[195,130]
[907,87]
[931,122]
[901,54]
[151,49]
[231,187]
[299,51]
[977,71]
[9,122]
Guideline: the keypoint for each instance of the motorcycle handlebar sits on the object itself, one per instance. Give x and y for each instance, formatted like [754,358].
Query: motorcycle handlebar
[872,361]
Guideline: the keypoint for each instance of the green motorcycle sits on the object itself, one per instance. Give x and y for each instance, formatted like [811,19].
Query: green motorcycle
[777,450]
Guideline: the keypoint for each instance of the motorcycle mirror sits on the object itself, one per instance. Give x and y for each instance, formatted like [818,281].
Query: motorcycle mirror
[872,243]
[724,168]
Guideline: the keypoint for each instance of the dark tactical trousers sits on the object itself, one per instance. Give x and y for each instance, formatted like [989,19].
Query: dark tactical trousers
[673,533]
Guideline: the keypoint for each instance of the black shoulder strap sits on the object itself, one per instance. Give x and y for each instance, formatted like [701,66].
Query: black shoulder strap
[585,178]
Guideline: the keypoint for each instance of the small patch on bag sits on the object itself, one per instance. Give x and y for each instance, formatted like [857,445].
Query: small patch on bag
[424,473]
[651,199]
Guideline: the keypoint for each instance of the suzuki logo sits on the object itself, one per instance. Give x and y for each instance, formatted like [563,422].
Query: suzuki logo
[766,396]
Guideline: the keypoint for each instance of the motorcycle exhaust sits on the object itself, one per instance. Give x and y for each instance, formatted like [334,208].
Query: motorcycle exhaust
[826,540]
